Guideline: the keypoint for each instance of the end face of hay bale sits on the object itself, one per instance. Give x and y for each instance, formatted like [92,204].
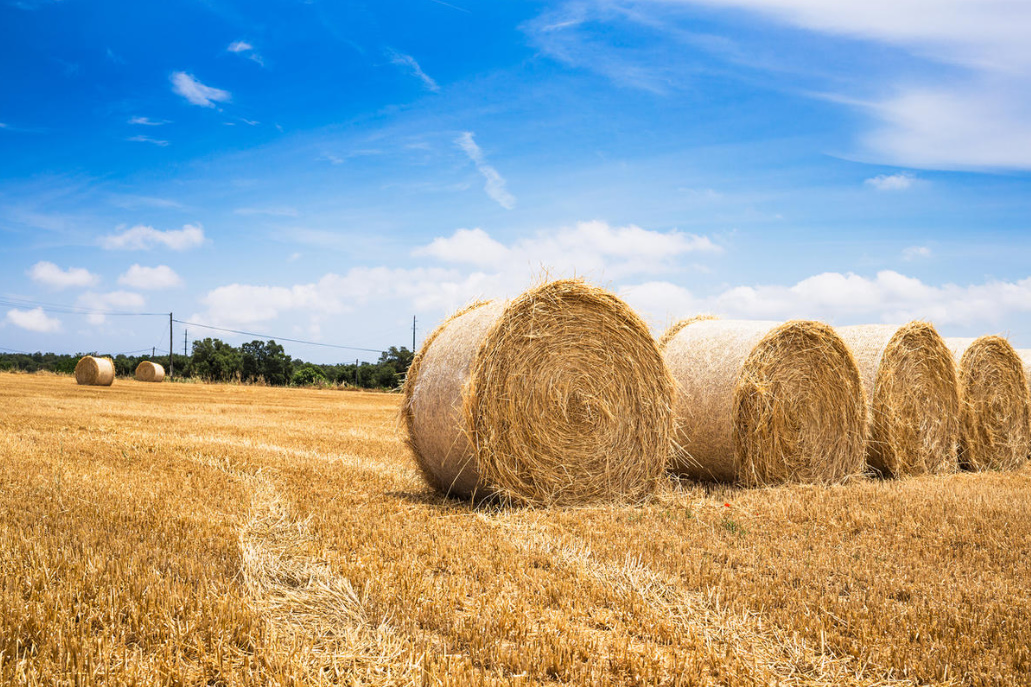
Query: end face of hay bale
[800,408]
[912,397]
[561,397]
[147,371]
[90,371]
[996,410]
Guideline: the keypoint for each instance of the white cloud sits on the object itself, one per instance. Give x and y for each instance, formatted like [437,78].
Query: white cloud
[408,63]
[53,276]
[479,267]
[142,237]
[245,49]
[891,182]
[587,248]
[844,299]
[495,183]
[147,139]
[197,93]
[35,320]
[111,301]
[160,277]
[915,253]
[146,121]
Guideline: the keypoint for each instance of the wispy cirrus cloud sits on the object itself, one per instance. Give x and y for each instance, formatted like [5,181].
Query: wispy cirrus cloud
[142,237]
[147,139]
[147,121]
[495,184]
[197,93]
[245,49]
[410,65]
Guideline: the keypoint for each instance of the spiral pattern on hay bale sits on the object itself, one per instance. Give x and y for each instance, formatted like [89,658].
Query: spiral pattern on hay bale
[559,396]
[995,419]
[765,403]
[912,391]
[147,371]
[90,371]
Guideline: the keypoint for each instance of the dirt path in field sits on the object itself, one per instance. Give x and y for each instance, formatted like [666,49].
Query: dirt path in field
[776,657]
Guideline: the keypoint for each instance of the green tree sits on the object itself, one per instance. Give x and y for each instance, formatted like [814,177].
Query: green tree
[265,360]
[308,375]
[215,360]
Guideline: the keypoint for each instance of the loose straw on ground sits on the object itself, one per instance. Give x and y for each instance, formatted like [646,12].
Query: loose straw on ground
[559,396]
[912,395]
[995,420]
[150,372]
[92,371]
[764,402]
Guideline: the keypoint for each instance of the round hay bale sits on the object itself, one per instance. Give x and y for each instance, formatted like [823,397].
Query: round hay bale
[764,402]
[995,419]
[150,372]
[559,396]
[92,371]
[912,394]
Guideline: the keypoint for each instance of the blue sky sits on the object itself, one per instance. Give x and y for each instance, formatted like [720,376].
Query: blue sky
[325,172]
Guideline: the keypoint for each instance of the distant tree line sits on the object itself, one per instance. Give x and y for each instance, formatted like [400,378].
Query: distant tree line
[256,362]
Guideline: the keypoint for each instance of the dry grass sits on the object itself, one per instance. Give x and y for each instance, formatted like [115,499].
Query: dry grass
[559,396]
[283,536]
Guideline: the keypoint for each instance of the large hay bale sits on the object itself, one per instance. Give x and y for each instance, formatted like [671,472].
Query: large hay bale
[147,371]
[559,396]
[92,371]
[995,420]
[765,402]
[912,395]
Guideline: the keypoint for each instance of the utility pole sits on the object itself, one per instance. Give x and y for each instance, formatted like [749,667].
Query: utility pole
[171,362]
[185,332]
[413,333]
[356,372]
[152,349]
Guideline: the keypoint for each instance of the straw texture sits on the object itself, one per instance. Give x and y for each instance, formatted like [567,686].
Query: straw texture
[147,371]
[912,393]
[995,427]
[764,402]
[92,371]
[559,396]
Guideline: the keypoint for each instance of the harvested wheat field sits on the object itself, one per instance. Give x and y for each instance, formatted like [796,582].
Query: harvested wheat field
[216,534]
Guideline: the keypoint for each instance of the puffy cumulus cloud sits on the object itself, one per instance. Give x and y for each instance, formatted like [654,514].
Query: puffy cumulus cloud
[35,320]
[594,249]
[51,275]
[197,93]
[843,299]
[475,265]
[142,237]
[108,302]
[891,182]
[160,277]
[333,294]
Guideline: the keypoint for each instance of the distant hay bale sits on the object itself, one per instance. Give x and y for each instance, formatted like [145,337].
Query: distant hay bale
[92,371]
[150,372]
[764,402]
[559,396]
[995,420]
[912,394]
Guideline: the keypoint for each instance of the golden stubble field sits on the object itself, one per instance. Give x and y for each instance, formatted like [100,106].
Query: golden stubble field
[216,534]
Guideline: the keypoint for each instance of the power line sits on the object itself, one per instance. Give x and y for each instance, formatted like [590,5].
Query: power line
[12,350]
[280,338]
[71,309]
